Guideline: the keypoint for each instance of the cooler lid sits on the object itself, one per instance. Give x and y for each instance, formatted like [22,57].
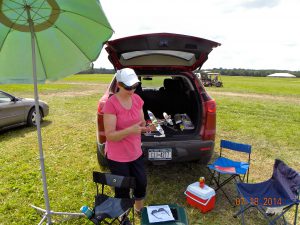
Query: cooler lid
[203,193]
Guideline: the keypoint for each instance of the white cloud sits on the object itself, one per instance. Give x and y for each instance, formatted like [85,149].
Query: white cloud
[255,34]
[259,3]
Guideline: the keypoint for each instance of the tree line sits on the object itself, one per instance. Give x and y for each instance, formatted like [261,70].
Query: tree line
[222,71]
[97,71]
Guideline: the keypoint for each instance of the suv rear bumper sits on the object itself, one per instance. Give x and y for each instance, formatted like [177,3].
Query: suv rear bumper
[182,151]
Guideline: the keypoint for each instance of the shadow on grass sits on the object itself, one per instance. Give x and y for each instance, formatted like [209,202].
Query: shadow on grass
[167,184]
[20,131]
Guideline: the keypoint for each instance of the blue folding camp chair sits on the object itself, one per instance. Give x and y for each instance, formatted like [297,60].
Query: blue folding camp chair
[278,194]
[225,166]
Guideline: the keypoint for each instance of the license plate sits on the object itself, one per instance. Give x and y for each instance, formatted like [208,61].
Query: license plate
[160,154]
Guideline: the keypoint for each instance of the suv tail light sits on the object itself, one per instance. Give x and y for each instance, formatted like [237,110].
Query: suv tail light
[210,120]
[211,106]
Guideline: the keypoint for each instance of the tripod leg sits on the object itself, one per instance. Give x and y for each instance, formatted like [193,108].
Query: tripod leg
[67,215]
[42,220]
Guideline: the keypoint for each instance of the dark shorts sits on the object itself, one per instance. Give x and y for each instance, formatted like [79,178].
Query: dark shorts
[134,169]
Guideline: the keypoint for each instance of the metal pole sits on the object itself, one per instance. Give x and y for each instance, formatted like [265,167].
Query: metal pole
[38,117]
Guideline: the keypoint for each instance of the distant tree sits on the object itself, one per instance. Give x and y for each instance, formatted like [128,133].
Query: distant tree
[98,70]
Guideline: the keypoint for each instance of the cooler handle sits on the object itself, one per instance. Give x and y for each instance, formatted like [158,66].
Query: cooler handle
[197,200]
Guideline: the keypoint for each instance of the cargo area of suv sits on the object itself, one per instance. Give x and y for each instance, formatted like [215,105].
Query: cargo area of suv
[176,97]
[164,64]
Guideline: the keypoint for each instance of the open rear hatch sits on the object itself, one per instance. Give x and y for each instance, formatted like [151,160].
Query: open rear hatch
[159,52]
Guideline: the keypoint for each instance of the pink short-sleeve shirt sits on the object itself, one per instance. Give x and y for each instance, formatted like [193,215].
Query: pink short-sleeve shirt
[129,148]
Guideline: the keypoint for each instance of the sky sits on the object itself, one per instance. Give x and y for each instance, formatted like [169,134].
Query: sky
[254,34]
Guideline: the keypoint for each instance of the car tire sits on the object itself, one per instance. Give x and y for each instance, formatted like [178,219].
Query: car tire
[101,159]
[31,118]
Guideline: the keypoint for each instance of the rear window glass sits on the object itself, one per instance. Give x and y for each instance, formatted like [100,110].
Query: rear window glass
[153,82]
[184,55]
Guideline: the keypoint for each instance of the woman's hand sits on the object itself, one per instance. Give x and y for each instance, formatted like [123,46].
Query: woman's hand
[137,128]
[113,135]
[152,127]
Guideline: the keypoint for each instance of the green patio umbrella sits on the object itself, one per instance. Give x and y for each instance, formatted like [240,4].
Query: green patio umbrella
[49,39]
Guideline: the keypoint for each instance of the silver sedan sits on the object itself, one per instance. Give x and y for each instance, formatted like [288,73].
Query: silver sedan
[16,111]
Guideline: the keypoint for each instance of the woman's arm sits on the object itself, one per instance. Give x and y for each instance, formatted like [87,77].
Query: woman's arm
[112,134]
[143,123]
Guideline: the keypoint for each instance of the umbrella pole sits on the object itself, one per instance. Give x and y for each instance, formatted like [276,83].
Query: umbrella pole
[47,213]
[38,121]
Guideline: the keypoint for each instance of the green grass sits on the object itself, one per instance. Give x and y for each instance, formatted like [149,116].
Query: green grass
[271,127]
[43,88]
[68,84]
[105,78]
[261,85]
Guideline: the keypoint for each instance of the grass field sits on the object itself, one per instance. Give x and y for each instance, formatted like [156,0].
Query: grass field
[263,112]
[261,85]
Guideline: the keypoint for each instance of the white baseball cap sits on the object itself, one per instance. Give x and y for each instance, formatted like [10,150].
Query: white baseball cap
[127,76]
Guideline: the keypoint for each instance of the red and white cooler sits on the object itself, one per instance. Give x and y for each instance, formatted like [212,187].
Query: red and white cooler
[201,198]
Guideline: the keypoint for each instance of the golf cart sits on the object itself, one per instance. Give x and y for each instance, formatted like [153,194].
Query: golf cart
[210,79]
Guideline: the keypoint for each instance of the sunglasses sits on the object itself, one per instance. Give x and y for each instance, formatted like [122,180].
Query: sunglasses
[158,211]
[129,88]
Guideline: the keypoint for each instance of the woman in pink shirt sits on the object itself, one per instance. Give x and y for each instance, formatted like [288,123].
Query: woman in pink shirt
[123,124]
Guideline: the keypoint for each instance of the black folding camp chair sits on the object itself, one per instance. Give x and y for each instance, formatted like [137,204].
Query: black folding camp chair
[109,210]
[224,169]
[278,194]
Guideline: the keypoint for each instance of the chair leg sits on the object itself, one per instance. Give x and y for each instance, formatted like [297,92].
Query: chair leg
[212,176]
[281,215]
[227,198]
[284,220]
[220,186]
[242,210]
[225,181]
[241,180]
[296,214]
[108,223]
[133,215]
[261,210]
[237,192]
[263,213]
[247,175]
[125,217]
[223,184]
